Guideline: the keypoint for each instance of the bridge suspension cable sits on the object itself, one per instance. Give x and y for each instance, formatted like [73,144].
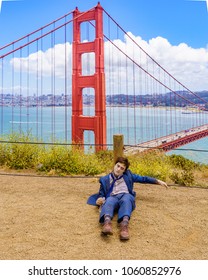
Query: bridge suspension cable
[176,117]
[144,101]
[156,62]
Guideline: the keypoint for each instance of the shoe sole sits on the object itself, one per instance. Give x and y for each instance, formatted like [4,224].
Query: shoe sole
[107,232]
[124,238]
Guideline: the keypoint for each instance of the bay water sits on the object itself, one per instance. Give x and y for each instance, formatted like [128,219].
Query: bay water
[138,125]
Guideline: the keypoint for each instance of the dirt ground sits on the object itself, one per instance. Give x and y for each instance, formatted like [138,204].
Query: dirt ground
[48,218]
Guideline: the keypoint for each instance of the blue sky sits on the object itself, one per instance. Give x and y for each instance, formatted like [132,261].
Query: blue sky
[176,20]
[173,32]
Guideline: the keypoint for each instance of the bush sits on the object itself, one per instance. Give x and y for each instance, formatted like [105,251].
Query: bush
[183,173]
[153,164]
[3,154]
[184,178]
[181,162]
[64,160]
[20,152]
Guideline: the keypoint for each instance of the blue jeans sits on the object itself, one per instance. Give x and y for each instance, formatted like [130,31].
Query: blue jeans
[124,203]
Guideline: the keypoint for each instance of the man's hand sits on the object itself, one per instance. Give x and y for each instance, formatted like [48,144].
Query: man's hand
[162,183]
[100,201]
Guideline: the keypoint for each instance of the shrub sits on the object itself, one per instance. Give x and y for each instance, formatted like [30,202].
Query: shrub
[183,173]
[153,164]
[3,153]
[179,161]
[19,153]
[64,160]
[184,178]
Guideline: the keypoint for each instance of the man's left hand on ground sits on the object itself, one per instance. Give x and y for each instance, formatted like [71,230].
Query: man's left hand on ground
[162,184]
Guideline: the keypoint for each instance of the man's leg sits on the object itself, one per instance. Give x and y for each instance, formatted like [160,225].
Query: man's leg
[126,206]
[107,213]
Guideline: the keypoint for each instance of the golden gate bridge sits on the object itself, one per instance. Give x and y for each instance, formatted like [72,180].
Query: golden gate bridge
[100,81]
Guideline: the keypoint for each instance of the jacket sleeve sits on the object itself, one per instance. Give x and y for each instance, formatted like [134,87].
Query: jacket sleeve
[104,185]
[104,182]
[92,199]
[143,179]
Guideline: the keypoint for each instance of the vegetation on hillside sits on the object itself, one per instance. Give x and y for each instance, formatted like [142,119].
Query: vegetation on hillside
[21,153]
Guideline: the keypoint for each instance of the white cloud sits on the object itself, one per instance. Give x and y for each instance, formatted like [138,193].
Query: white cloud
[188,65]
[52,61]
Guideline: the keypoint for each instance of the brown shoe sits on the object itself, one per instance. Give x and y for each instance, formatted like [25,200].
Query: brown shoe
[124,232]
[107,228]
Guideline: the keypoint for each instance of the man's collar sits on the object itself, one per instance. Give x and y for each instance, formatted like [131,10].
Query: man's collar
[114,176]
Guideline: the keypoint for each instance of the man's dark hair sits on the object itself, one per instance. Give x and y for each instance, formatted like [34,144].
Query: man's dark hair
[123,160]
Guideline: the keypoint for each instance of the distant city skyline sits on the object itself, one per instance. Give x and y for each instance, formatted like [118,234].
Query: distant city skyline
[116,99]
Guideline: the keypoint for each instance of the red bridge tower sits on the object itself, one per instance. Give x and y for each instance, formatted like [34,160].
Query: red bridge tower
[80,122]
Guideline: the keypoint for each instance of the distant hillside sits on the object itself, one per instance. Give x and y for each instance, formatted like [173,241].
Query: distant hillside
[179,98]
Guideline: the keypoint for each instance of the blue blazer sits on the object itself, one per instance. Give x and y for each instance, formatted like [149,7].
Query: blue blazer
[129,178]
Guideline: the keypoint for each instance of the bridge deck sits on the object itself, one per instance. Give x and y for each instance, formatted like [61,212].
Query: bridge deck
[170,142]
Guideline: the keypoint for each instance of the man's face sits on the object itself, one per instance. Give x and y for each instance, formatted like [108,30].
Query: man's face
[119,169]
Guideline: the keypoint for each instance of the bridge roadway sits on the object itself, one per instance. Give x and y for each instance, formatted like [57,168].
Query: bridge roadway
[170,142]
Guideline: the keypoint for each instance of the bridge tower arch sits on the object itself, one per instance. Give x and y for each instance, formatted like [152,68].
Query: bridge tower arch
[80,122]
